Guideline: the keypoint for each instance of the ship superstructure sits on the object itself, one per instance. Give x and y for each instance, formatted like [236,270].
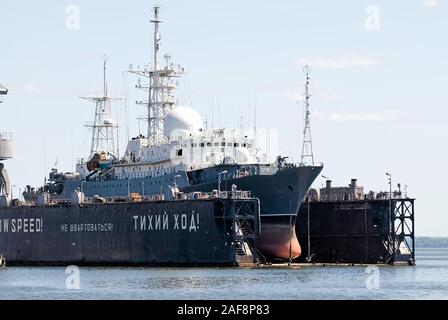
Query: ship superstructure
[6,153]
[3,92]
[181,155]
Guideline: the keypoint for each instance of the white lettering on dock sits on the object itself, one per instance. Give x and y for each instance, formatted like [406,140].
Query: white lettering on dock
[31,225]
[88,227]
[166,222]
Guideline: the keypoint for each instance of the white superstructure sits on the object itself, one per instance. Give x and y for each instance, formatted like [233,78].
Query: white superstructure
[6,153]
[177,138]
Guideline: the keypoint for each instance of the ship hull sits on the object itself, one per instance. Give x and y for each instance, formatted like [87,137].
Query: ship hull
[280,195]
[184,233]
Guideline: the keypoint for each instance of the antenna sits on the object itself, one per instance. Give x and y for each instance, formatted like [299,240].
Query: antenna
[255,122]
[307,150]
[206,122]
[219,114]
[103,127]
[105,75]
[161,87]
[125,94]
[213,113]
[157,36]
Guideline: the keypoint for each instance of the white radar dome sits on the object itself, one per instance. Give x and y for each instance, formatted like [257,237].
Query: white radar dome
[182,119]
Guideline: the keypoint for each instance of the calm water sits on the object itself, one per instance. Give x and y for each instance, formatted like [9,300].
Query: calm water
[428,280]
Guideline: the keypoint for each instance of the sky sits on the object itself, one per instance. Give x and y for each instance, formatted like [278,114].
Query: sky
[378,82]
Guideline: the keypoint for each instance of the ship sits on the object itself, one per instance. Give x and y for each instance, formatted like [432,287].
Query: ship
[179,155]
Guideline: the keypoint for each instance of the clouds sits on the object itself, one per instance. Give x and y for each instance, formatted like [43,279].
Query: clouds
[350,116]
[343,62]
[430,3]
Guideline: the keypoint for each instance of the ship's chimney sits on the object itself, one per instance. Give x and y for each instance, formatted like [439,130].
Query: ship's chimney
[354,183]
[329,184]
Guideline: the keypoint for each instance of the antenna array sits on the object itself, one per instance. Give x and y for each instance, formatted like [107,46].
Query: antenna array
[307,150]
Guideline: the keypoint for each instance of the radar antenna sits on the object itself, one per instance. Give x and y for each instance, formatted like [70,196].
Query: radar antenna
[307,150]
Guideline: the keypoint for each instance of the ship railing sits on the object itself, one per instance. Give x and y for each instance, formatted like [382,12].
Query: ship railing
[236,194]
[56,202]
[214,195]
[135,197]
[307,164]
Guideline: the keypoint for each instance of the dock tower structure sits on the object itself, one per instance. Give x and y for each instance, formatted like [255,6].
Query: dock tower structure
[6,153]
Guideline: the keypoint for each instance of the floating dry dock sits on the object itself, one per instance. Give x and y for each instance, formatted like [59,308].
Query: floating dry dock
[345,226]
[194,230]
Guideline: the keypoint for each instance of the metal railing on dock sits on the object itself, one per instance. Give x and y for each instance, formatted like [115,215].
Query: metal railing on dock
[45,199]
[214,195]
[242,226]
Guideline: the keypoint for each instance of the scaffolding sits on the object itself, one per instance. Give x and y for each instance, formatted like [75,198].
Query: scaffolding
[241,220]
[400,243]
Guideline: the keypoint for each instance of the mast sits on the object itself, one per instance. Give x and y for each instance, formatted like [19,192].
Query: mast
[104,76]
[161,87]
[157,37]
[307,150]
[103,127]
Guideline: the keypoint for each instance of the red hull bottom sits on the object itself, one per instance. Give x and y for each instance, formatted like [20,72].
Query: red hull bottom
[279,241]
